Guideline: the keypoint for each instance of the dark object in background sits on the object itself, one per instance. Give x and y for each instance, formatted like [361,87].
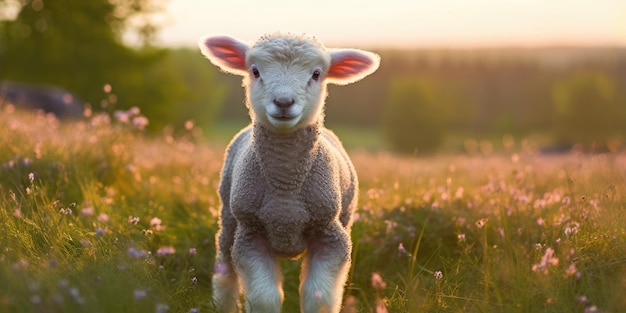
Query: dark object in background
[59,102]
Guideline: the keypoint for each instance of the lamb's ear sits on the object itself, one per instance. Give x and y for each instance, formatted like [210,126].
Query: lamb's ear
[350,65]
[227,53]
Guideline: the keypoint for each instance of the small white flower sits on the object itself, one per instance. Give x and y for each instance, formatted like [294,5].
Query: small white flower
[481,222]
[438,275]
[402,250]
[133,220]
[161,308]
[461,237]
[140,294]
[568,231]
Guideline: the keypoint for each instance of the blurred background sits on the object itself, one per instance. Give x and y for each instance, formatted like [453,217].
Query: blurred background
[456,76]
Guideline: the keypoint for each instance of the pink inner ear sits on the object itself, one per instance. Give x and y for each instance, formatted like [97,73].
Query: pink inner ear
[349,65]
[229,55]
[228,51]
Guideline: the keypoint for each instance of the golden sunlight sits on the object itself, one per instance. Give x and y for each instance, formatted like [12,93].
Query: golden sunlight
[398,23]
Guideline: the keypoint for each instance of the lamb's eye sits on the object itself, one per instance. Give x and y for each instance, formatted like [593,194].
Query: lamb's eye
[316,75]
[255,72]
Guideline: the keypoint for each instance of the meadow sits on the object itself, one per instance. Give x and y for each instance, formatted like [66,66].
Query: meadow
[96,216]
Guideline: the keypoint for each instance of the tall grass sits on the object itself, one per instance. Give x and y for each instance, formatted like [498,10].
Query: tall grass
[97,217]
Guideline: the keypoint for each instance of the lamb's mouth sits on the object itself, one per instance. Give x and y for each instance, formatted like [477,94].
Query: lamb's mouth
[283,117]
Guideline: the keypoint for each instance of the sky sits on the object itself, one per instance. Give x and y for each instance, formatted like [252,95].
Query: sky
[403,23]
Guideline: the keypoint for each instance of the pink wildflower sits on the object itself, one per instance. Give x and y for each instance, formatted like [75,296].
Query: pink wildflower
[402,250]
[156,223]
[572,270]
[377,282]
[547,260]
[88,211]
[103,217]
[140,122]
[166,250]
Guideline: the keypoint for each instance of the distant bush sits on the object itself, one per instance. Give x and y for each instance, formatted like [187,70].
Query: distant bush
[587,109]
[181,87]
[417,113]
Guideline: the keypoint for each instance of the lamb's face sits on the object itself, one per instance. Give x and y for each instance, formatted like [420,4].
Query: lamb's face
[285,82]
[285,76]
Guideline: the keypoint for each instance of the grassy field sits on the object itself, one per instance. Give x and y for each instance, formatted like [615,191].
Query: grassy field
[97,217]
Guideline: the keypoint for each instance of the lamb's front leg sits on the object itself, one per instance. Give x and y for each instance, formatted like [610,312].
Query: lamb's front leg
[260,275]
[225,282]
[225,285]
[325,270]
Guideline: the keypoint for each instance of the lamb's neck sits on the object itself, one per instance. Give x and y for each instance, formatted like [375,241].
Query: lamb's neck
[285,158]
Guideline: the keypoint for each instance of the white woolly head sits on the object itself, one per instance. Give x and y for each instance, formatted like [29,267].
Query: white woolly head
[286,75]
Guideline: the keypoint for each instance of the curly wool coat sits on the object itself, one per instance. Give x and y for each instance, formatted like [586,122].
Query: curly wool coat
[285,188]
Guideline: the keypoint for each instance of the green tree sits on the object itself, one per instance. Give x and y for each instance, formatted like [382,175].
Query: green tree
[417,114]
[78,45]
[587,109]
[74,44]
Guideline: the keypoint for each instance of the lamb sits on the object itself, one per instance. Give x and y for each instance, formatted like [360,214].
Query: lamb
[288,188]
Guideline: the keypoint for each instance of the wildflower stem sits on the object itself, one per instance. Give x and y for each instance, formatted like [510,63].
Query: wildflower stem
[415,251]
[486,259]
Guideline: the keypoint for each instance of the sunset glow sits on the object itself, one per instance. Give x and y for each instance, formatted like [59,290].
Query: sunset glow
[398,23]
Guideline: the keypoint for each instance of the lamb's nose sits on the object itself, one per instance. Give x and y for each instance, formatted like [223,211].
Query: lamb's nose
[284,102]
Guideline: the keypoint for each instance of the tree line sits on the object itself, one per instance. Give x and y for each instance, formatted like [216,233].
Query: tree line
[571,95]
